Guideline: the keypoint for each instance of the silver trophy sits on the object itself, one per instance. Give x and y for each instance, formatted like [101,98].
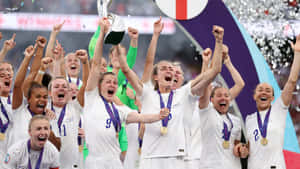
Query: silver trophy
[116,32]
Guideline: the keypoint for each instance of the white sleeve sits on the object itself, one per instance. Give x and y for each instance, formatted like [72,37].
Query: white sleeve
[124,111]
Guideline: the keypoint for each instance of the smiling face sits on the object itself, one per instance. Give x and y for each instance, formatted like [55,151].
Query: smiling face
[39,132]
[221,99]
[263,95]
[74,91]
[6,77]
[72,65]
[164,74]
[108,86]
[178,77]
[37,100]
[59,92]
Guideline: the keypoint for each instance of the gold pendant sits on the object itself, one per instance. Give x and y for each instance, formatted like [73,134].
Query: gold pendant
[163,130]
[140,151]
[2,136]
[80,148]
[117,135]
[264,141]
[226,144]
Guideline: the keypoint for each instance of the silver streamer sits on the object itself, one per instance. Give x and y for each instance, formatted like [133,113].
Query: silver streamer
[270,23]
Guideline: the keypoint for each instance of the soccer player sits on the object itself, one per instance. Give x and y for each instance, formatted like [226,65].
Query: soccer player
[164,143]
[68,112]
[220,130]
[37,97]
[6,81]
[104,117]
[265,128]
[36,152]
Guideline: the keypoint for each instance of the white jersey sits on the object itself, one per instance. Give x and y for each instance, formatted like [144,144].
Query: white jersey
[214,155]
[195,134]
[265,156]
[17,157]
[132,156]
[68,133]
[21,117]
[104,147]
[4,143]
[174,142]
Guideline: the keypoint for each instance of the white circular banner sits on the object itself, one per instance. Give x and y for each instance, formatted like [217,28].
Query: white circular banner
[181,9]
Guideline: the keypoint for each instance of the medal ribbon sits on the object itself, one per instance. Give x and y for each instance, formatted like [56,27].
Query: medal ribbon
[169,105]
[77,81]
[3,127]
[32,114]
[8,99]
[61,116]
[38,163]
[226,131]
[79,138]
[113,114]
[139,139]
[263,127]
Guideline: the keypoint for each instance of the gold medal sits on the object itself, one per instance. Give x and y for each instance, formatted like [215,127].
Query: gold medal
[2,136]
[80,148]
[163,130]
[264,141]
[117,135]
[226,144]
[140,151]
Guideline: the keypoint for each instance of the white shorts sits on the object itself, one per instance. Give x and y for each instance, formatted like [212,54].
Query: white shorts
[162,163]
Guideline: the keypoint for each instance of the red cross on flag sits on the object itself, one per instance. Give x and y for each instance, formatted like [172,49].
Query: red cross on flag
[181,9]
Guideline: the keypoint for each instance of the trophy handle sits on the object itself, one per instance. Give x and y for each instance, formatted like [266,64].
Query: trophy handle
[102,6]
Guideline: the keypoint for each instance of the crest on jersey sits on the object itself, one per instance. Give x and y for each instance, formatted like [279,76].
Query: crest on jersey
[7,158]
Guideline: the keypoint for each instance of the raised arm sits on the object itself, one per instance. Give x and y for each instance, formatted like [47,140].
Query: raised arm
[238,80]
[131,54]
[204,99]
[7,46]
[129,73]
[289,87]
[44,66]
[203,80]
[36,63]
[17,90]
[83,56]
[157,28]
[55,31]
[58,58]
[94,75]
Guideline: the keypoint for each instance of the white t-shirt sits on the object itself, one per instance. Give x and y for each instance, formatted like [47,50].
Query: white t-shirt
[264,156]
[4,143]
[132,156]
[17,157]
[195,134]
[69,151]
[21,117]
[174,142]
[104,148]
[213,155]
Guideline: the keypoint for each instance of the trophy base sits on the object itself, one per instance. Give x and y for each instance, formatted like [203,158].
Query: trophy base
[114,38]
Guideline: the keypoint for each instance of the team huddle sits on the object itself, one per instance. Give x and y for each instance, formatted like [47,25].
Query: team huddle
[112,119]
